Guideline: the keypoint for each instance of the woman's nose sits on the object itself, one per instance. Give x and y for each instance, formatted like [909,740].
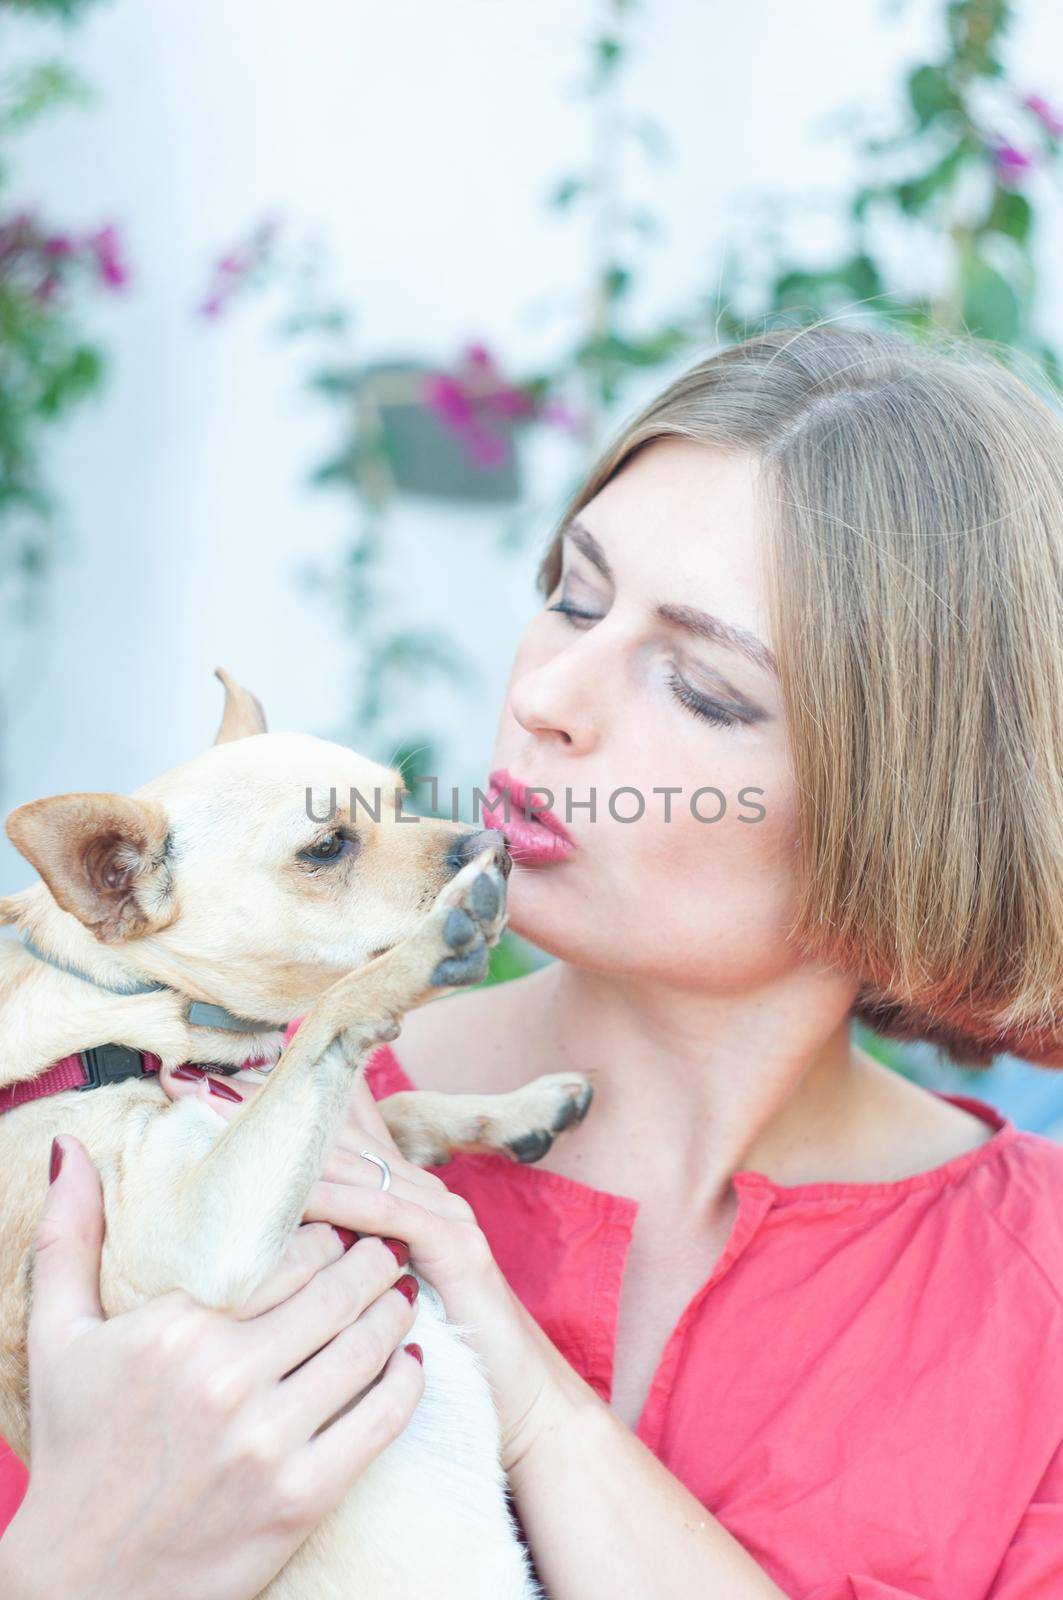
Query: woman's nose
[555,702]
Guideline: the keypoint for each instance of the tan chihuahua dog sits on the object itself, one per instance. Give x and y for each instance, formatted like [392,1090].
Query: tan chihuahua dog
[192,921]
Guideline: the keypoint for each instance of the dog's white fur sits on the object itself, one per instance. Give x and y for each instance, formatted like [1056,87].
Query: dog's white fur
[198,881]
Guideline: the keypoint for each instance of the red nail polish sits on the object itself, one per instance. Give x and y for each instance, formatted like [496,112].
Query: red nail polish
[345,1236]
[409,1287]
[400,1251]
[56,1161]
[188,1074]
[415,1351]
[224,1091]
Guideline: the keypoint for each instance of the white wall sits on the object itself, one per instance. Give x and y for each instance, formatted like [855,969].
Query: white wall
[420,137]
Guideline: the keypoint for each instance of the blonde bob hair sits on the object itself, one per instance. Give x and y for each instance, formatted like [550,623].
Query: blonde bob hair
[914,513]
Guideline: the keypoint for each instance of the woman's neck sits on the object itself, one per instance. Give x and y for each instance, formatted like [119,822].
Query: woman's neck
[767,1081]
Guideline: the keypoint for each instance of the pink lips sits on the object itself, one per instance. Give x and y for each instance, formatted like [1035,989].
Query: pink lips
[535,837]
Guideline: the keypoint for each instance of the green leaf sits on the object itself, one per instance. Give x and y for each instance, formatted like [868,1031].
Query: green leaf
[930,93]
[608,54]
[68,381]
[861,276]
[989,305]
[507,960]
[567,190]
[1011,213]
[333,381]
[616,281]
[26,95]
[915,193]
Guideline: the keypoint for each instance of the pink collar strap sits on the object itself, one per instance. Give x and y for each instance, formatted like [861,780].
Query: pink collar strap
[88,1069]
[93,1069]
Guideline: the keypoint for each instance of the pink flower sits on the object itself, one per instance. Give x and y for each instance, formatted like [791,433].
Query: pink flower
[445,396]
[105,246]
[508,402]
[485,450]
[1011,165]
[559,415]
[1050,119]
[231,272]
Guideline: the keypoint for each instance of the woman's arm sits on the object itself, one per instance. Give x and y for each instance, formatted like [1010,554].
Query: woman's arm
[602,1515]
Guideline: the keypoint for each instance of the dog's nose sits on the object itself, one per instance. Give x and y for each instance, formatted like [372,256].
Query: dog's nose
[468,846]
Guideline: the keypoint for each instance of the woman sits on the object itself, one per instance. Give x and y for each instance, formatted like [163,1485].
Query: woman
[791,1312]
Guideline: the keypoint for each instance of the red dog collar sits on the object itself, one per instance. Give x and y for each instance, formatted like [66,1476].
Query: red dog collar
[90,1069]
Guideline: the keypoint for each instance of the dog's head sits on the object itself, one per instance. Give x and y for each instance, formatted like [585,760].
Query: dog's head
[254,875]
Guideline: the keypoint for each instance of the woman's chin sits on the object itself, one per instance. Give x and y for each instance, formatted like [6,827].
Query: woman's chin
[533,905]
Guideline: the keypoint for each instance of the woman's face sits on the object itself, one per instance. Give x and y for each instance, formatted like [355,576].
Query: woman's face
[608,692]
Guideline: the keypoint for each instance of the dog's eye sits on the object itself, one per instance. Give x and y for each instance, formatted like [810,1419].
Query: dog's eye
[330,847]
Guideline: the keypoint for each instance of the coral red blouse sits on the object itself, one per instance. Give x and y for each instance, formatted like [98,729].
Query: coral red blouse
[867,1390]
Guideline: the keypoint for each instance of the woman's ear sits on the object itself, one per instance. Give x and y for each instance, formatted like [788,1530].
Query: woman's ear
[105,858]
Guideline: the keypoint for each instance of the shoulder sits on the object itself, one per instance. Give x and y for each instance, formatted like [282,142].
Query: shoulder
[474,1042]
[1022,1193]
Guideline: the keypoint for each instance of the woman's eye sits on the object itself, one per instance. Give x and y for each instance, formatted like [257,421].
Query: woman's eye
[329,848]
[573,613]
[710,710]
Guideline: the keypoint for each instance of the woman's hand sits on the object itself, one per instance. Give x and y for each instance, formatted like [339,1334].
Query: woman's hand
[446,1246]
[178,1450]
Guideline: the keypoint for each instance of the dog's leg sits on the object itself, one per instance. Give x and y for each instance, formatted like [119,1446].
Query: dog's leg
[211,1206]
[429,1128]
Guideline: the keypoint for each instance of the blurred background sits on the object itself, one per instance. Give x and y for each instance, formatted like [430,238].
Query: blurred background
[311,317]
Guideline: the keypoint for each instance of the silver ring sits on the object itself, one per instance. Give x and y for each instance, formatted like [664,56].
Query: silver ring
[385,1170]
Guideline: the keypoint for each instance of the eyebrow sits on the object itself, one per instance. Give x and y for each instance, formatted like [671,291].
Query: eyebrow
[701,623]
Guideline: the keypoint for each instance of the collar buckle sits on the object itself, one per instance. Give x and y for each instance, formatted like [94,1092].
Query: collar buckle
[111,1063]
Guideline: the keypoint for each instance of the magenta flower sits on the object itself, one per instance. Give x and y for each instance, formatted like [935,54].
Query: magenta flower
[232,271]
[445,396]
[467,402]
[44,263]
[486,450]
[1012,165]
[105,246]
[559,415]
[1050,119]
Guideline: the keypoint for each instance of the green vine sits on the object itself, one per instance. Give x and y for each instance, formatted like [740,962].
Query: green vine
[47,366]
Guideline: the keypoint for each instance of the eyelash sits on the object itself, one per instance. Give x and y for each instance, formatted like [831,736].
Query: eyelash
[708,710]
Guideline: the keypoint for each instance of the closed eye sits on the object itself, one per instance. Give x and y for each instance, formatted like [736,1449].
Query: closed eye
[571,611]
[699,705]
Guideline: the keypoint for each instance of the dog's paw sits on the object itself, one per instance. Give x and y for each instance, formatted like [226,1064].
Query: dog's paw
[362,1037]
[545,1107]
[466,922]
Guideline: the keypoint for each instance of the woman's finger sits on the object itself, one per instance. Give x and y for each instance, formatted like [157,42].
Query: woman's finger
[311,1247]
[332,1299]
[224,1094]
[316,1392]
[333,1461]
[346,1164]
[363,1113]
[422,1220]
[348,1199]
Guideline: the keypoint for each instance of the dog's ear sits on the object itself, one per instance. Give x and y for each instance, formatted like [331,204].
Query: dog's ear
[243,714]
[103,856]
